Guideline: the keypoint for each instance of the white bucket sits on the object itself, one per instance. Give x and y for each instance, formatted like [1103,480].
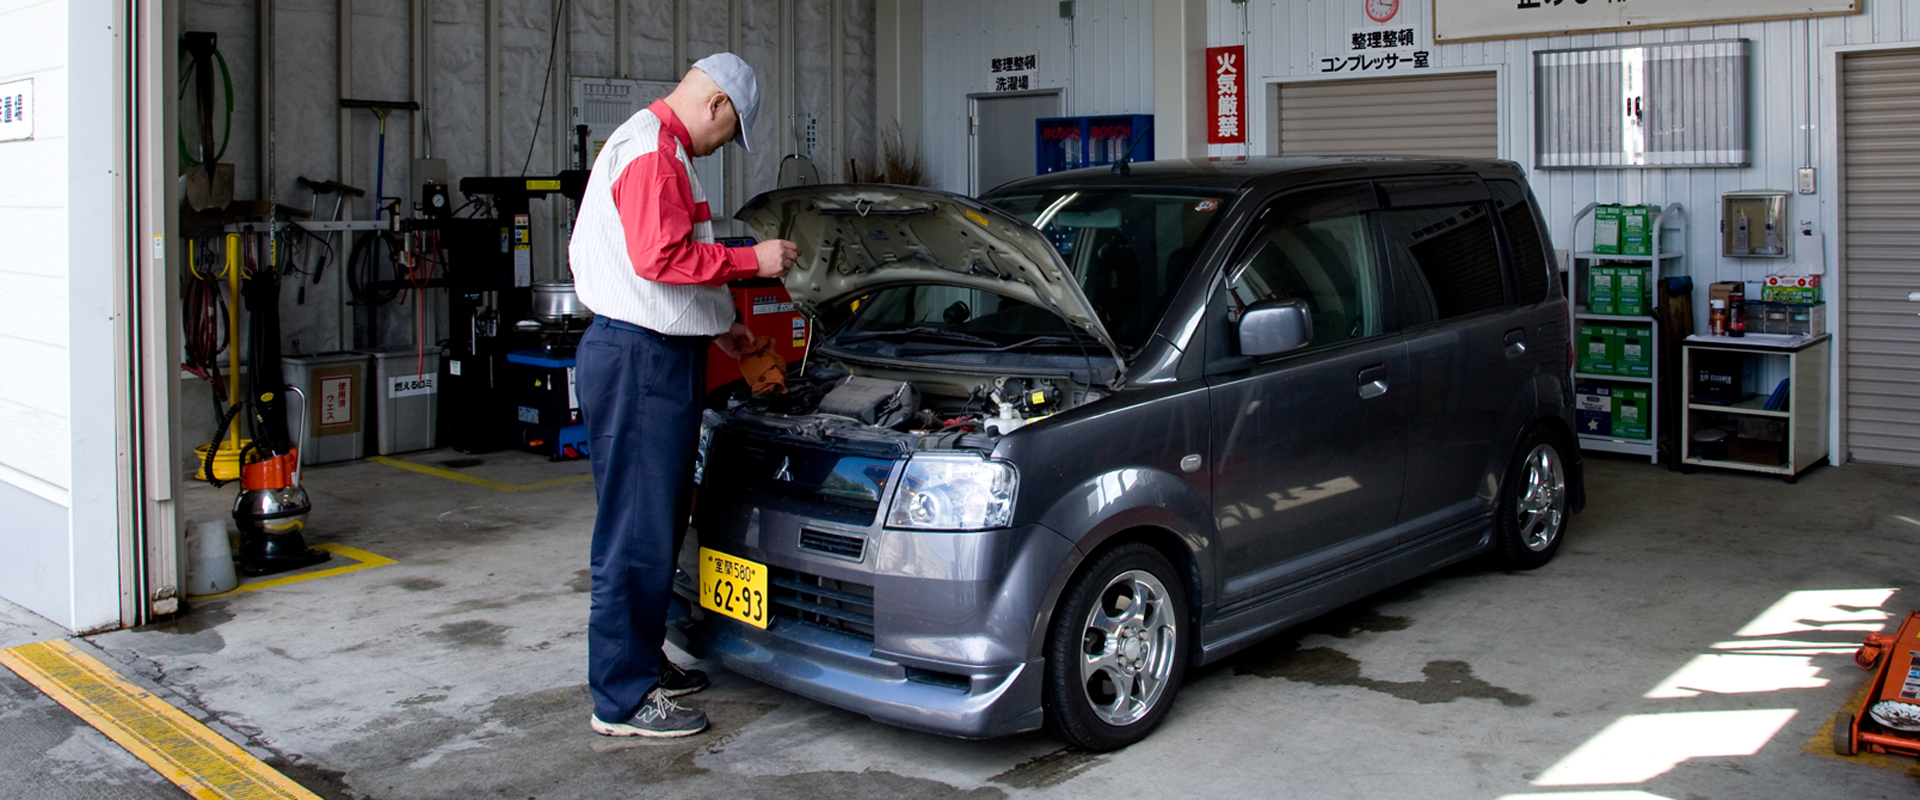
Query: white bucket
[209,559]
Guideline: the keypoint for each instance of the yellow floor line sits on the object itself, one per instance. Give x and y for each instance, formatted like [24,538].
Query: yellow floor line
[1822,742]
[365,560]
[182,750]
[480,482]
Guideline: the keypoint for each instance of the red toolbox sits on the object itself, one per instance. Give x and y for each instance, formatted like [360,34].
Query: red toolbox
[766,308]
[1888,721]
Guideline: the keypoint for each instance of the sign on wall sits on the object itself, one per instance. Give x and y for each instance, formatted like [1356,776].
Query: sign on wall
[1377,50]
[16,110]
[1466,20]
[1012,73]
[1226,93]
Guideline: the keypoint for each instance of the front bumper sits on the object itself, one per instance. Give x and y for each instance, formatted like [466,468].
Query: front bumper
[947,645]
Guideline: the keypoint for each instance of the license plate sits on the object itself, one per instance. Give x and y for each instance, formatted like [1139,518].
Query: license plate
[733,586]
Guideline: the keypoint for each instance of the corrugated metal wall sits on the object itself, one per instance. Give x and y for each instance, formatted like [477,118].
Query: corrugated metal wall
[1102,60]
[1882,151]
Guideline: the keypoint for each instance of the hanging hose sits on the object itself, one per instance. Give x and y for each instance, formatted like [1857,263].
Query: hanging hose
[363,269]
[219,435]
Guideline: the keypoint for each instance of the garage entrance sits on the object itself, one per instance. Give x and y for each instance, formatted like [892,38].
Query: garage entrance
[1438,115]
[1880,248]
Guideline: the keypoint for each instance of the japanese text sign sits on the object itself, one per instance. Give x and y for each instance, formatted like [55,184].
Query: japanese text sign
[16,110]
[1458,20]
[1226,95]
[1012,73]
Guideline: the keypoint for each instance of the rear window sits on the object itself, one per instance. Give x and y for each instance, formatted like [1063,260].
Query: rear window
[1531,270]
[1454,253]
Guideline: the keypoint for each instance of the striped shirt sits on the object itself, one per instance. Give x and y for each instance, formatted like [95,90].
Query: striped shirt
[642,249]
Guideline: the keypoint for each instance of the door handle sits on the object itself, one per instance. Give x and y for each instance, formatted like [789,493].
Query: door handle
[1373,381]
[1913,297]
[1515,342]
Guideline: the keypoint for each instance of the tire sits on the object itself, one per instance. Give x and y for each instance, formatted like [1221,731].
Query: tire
[1531,518]
[1117,649]
[1843,738]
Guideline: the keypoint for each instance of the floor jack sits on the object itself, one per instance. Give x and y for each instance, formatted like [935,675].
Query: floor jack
[1889,720]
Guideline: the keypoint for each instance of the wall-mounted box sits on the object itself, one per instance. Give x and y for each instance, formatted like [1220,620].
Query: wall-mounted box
[1753,224]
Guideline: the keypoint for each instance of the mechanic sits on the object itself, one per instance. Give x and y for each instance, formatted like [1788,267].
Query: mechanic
[645,262]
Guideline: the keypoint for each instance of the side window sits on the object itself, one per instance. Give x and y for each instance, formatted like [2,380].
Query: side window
[1319,252]
[1531,271]
[1452,250]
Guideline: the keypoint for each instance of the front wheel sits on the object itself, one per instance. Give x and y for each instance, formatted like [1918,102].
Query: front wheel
[1532,514]
[1117,649]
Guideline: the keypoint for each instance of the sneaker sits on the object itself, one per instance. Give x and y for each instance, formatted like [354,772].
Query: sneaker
[676,681]
[658,718]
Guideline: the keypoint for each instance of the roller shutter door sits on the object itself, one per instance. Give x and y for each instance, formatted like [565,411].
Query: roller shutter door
[1881,162]
[1435,115]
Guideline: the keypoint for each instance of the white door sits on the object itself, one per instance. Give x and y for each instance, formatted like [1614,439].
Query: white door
[1880,255]
[1003,136]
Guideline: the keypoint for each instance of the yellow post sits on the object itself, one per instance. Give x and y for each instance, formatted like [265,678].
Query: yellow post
[233,333]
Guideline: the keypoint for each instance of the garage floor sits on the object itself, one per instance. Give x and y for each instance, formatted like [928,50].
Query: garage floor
[1692,640]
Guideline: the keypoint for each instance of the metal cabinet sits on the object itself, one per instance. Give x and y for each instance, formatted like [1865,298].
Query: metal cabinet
[1756,403]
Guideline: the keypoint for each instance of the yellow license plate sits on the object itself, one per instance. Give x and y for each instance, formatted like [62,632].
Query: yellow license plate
[733,586]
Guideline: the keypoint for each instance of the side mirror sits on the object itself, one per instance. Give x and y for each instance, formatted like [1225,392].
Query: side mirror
[1275,326]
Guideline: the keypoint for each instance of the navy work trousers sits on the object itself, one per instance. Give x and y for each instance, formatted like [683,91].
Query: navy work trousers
[640,396]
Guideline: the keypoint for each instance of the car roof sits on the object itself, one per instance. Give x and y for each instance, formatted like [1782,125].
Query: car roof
[1237,174]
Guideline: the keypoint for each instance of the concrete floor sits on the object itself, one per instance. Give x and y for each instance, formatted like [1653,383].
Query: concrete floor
[458,671]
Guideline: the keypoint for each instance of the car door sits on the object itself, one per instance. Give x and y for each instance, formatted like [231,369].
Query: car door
[1309,445]
[1469,349]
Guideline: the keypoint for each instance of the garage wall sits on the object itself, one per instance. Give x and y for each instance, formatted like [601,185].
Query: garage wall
[1287,41]
[456,125]
[1102,60]
[59,529]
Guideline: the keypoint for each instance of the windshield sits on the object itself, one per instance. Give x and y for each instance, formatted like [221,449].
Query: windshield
[1127,249]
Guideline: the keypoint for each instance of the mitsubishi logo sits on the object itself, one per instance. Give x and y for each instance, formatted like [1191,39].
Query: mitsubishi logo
[782,474]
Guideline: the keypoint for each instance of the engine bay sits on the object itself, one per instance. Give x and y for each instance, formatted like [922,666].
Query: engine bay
[918,410]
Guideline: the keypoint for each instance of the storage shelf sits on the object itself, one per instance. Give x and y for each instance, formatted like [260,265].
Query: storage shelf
[1752,406]
[1603,377]
[1614,444]
[1611,317]
[1591,256]
[1668,232]
[1774,469]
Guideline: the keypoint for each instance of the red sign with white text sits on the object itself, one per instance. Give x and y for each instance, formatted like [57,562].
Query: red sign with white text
[1226,95]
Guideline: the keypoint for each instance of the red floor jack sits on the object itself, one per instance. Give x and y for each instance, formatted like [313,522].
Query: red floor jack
[1889,720]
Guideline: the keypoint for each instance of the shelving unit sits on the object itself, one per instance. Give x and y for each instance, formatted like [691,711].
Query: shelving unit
[1668,246]
[1765,359]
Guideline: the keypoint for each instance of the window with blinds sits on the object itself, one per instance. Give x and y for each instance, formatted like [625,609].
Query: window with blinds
[1657,105]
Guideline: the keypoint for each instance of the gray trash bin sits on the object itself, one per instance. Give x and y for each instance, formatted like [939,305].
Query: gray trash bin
[336,389]
[406,403]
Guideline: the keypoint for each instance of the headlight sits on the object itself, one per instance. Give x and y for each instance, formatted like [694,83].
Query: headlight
[954,493]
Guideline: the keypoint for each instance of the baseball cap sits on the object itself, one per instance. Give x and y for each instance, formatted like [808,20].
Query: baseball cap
[743,90]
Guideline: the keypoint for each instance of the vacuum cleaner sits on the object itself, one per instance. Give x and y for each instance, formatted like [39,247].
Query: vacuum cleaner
[271,510]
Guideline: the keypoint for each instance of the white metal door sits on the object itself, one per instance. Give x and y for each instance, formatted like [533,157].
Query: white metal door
[1880,253]
[1435,115]
[1003,133]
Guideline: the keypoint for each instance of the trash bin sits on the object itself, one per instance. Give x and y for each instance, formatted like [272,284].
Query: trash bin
[336,388]
[407,398]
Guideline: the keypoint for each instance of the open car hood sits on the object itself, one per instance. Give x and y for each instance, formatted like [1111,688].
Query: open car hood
[858,238]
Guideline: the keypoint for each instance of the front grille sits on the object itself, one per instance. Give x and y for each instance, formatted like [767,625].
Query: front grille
[833,544]
[837,605]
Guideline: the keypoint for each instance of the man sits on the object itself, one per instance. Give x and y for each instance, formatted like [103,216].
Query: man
[644,260]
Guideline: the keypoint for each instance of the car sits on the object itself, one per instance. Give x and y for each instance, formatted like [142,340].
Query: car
[1051,448]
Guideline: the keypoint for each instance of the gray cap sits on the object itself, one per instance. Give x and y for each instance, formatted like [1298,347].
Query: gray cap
[743,90]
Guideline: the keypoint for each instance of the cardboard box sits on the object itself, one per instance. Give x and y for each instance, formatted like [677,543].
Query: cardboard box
[1593,409]
[1630,295]
[1606,230]
[1634,357]
[1797,289]
[1601,287]
[1595,350]
[1632,412]
[1763,429]
[1636,230]
[1756,451]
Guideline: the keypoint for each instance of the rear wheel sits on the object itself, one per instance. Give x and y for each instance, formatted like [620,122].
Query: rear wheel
[1117,649]
[1533,509]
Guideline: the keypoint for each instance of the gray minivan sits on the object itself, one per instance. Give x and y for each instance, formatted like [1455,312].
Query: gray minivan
[1051,447]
